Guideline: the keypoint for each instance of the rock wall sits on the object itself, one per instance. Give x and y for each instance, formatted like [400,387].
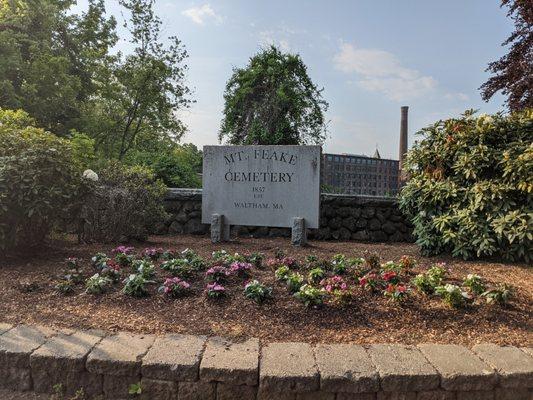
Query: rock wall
[342,217]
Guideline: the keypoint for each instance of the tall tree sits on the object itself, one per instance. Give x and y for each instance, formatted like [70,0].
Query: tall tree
[513,73]
[273,101]
[144,90]
[48,58]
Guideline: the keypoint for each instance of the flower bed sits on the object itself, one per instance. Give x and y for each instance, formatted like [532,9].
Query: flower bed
[267,289]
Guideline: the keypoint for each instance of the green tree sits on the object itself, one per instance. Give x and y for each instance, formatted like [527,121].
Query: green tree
[470,190]
[50,59]
[273,101]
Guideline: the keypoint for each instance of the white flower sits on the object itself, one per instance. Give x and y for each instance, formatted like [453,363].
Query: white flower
[90,174]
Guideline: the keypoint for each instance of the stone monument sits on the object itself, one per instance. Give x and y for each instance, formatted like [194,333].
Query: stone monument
[277,186]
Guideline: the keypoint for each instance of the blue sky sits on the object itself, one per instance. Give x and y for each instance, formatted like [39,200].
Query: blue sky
[371,57]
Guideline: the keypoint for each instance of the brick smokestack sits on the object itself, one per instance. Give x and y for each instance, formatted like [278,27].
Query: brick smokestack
[403,135]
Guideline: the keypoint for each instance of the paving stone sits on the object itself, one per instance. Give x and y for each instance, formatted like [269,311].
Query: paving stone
[476,395]
[196,390]
[174,357]
[117,387]
[345,368]
[396,396]
[528,350]
[356,396]
[514,367]
[4,327]
[15,378]
[459,367]
[232,363]
[232,392]
[153,389]
[403,368]
[435,395]
[17,344]
[119,355]
[60,356]
[315,396]
[288,367]
[513,394]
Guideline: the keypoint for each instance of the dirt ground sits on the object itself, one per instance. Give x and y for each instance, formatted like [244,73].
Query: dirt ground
[369,319]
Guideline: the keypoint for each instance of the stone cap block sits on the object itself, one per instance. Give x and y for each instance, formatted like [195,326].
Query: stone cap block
[514,367]
[459,367]
[4,327]
[345,368]
[174,358]
[66,352]
[232,363]
[403,368]
[288,367]
[17,344]
[119,354]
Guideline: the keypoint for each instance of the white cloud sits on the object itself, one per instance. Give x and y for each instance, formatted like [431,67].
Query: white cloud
[380,71]
[200,14]
[456,96]
[267,38]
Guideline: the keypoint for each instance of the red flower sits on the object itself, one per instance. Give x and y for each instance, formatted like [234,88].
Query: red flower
[401,289]
[362,281]
[387,276]
[390,288]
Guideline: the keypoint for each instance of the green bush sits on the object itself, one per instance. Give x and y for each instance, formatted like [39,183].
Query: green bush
[470,187]
[126,203]
[40,181]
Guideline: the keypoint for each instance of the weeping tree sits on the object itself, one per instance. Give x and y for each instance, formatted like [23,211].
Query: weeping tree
[273,101]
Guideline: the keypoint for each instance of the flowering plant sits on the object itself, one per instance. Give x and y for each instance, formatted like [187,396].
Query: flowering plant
[97,284]
[391,266]
[99,260]
[168,254]
[310,296]
[215,290]
[335,283]
[452,295]
[427,282]
[315,275]
[372,260]
[175,287]
[397,292]
[407,263]
[72,262]
[501,294]
[73,271]
[124,259]
[339,264]
[294,281]
[194,260]
[144,268]
[217,273]
[240,268]
[275,263]
[111,270]
[220,255]
[65,286]
[135,285]
[256,259]
[257,291]
[178,267]
[474,283]
[123,249]
[282,272]
[370,281]
[390,277]
[152,253]
[289,262]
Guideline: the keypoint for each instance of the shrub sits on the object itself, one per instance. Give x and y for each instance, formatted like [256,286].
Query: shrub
[257,292]
[41,184]
[175,287]
[135,285]
[501,294]
[310,296]
[471,186]
[215,290]
[97,284]
[452,295]
[474,283]
[126,203]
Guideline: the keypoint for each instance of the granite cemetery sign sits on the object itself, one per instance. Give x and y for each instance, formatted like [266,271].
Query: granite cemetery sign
[261,186]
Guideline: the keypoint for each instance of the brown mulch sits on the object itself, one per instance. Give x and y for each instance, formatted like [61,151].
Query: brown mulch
[369,319]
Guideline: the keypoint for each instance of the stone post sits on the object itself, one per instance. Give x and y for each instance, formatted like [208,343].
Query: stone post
[299,232]
[219,229]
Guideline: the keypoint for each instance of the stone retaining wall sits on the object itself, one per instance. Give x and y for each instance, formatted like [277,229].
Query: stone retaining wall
[185,367]
[342,217]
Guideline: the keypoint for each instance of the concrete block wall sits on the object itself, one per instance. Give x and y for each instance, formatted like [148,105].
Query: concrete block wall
[185,367]
[342,217]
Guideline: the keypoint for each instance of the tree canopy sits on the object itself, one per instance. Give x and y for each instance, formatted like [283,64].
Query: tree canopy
[513,73]
[273,101]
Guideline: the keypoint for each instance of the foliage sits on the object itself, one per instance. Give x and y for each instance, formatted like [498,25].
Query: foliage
[215,290]
[41,184]
[315,275]
[513,73]
[273,101]
[179,267]
[310,296]
[452,295]
[257,292]
[428,281]
[144,268]
[241,269]
[256,259]
[194,260]
[474,283]
[282,273]
[217,273]
[126,204]
[471,186]
[65,286]
[135,285]
[501,294]
[73,271]
[153,253]
[397,292]
[175,287]
[371,281]
[97,284]
[294,281]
